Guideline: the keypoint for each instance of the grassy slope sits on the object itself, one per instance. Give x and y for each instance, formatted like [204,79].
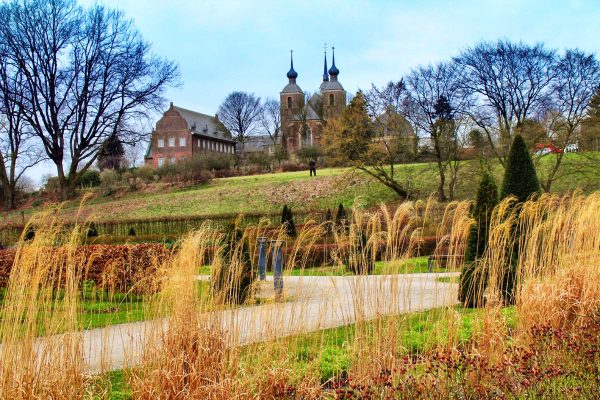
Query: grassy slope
[269,192]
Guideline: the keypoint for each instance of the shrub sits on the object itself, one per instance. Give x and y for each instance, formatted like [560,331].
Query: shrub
[114,267]
[233,281]
[520,178]
[290,166]
[92,230]
[307,153]
[341,220]
[110,180]
[131,231]
[89,179]
[472,281]
[521,181]
[287,219]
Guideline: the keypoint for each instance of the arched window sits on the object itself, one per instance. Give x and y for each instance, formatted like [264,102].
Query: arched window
[331,100]
[289,102]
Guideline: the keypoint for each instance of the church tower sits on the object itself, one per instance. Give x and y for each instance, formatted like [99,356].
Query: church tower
[334,95]
[291,101]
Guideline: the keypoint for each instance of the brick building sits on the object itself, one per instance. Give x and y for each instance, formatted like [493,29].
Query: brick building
[182,133]
[302,119]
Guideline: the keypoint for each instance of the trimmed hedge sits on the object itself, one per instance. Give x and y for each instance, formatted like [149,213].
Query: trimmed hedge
[120,268]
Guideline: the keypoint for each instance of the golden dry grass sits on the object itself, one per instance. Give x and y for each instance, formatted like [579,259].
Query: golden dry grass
[202,349]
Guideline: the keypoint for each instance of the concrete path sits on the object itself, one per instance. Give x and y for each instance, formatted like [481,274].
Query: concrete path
[312,303]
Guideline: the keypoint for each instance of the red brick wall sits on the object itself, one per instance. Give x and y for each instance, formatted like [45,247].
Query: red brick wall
[171,125]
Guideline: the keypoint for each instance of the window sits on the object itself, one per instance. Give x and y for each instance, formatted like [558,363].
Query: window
[181,142]
[199,143]
[289,102]
[161,142]
[171,142]
[173,160]
[331,100]
[161,162]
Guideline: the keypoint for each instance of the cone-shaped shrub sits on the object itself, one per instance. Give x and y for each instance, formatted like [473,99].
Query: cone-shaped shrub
[287,219]
[328,221]
[340,216]
[131,231]
[232,283]
[473,280]
[92,230]
[521,181]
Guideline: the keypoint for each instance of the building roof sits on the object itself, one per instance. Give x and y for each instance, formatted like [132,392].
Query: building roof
[331,85]
[291,87]
[258,143]
[202,124]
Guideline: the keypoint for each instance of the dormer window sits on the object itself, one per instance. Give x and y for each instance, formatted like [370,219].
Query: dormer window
[331,100]
[289,102]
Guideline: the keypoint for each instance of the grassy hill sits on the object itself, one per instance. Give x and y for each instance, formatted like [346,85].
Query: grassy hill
[269,192]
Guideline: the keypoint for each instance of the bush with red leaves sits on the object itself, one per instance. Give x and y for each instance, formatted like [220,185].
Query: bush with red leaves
[121,267]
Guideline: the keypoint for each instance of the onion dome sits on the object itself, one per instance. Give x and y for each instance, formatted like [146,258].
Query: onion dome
[333,71]
[292,74]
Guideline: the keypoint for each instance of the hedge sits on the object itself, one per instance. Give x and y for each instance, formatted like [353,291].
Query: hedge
[121,268]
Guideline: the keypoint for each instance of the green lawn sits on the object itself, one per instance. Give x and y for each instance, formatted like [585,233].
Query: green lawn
[331,351]
[413,265]
[269,192]
[98,310]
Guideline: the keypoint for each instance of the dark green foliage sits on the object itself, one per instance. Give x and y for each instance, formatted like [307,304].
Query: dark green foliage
[29,233]
[92,230]
[111,154]
[233,283]
[521,181]
[131,232]
[90,178]
[473,281]
[340,216]
[328,221]
[287,219]
[520,178]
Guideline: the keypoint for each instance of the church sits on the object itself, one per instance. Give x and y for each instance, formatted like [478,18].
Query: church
[302,119]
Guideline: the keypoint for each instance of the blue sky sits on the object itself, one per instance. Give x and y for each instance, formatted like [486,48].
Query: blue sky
[222,46]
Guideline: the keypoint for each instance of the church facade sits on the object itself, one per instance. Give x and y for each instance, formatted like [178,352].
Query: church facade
[303,119]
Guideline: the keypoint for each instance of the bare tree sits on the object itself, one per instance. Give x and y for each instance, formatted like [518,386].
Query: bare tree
[437,104]
[511,82]
[271,119]
[576,80]
[241,114]
[88,74]
[18,152]
[394,139]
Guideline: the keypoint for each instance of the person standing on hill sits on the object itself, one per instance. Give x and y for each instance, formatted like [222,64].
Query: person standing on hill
[312,165]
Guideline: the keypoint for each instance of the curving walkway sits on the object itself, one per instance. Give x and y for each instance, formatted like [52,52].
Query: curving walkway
[315,302]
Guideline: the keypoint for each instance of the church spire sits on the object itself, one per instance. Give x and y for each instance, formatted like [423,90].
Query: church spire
[333,71]
[292,74]
[325,74]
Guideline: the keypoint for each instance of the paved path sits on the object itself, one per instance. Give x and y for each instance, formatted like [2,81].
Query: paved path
[315,302]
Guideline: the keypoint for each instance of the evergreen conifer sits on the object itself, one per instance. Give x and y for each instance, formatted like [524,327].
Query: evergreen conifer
[473,280]
[520,178]
[521,181]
